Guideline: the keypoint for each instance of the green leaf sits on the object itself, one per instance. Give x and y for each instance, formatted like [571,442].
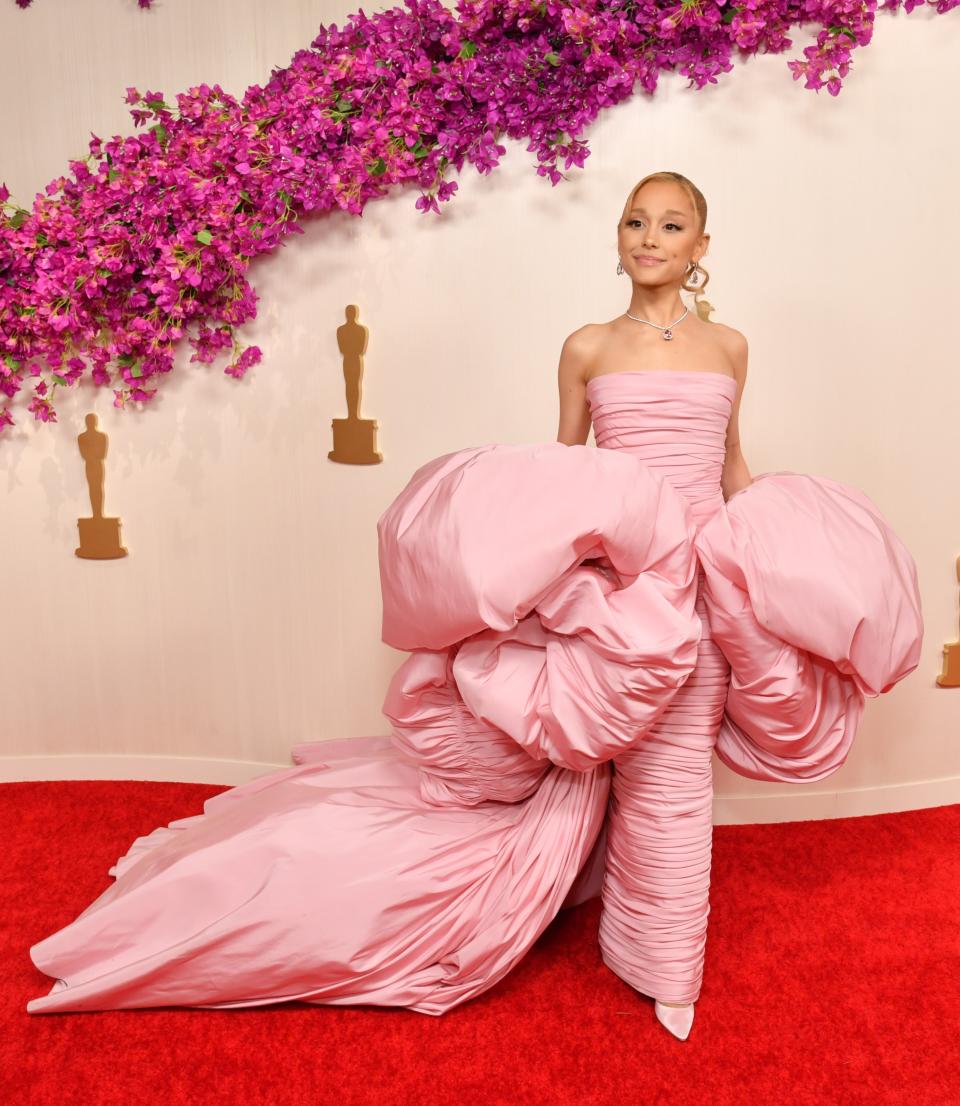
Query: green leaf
[204,236]
[136,372]
[161,132]
[377,168]
[467,49]
[552,58]
[59,379]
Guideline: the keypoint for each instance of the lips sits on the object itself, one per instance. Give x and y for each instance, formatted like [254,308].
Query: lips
[646,259]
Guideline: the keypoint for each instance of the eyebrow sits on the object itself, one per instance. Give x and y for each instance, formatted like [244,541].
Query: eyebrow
[669,211]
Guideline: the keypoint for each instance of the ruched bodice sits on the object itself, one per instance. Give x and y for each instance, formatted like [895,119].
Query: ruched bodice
[674,421]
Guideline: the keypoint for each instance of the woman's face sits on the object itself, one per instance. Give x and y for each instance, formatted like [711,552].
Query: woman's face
[660,223]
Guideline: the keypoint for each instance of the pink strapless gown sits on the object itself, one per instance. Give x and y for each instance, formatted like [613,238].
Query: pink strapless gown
[585,626]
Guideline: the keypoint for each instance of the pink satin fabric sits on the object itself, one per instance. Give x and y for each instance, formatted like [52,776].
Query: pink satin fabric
[584,627]
[815,601]
[659,831]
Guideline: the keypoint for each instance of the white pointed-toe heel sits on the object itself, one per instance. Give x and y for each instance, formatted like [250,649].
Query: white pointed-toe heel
[678,1019]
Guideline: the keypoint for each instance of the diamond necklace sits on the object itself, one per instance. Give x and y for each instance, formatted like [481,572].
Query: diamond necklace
[667,330]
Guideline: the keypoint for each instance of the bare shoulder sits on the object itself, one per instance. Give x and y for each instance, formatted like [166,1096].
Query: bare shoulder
[586,337]
[729,337]
[579,351]
[734,344]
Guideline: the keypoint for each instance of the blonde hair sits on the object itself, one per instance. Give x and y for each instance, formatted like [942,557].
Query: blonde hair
[699,206]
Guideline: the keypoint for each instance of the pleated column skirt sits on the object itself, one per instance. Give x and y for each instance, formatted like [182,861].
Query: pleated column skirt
[656,882]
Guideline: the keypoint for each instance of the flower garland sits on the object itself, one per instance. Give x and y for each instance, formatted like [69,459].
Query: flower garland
[154,232]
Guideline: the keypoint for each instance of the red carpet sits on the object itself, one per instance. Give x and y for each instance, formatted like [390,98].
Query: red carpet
[832,976]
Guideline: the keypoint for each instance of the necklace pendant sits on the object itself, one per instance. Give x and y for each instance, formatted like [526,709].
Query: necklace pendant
[667,334]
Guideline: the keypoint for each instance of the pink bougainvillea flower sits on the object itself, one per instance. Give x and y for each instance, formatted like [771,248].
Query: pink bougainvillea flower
[149,237]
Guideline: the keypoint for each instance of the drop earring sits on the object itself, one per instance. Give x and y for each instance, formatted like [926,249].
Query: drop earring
[619,267]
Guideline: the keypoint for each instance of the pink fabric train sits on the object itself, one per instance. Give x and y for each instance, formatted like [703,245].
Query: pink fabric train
[548,595]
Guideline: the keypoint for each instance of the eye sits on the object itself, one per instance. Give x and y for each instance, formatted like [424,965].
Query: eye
[636,222]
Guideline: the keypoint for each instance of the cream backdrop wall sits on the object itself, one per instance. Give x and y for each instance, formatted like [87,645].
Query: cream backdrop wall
[247,616]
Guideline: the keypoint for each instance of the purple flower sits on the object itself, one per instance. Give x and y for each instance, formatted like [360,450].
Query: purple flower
[149,238]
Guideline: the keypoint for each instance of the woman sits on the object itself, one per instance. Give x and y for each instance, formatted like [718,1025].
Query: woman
[655,900]
[570,614]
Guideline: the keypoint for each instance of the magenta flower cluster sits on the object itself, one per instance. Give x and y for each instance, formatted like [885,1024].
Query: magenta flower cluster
[152,234]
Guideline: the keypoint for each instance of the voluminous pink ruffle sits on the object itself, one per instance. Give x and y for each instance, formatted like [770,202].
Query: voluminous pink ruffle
[555,586]
[815,603]
[549,597]
[551,622]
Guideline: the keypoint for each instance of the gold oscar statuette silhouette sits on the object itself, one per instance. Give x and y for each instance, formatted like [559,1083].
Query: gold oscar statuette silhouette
[950,676]
[354,438]
[99,536]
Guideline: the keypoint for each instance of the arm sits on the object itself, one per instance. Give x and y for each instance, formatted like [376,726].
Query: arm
[736,475]
[574,426]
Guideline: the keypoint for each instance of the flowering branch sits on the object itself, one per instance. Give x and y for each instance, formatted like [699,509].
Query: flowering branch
[153,233]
